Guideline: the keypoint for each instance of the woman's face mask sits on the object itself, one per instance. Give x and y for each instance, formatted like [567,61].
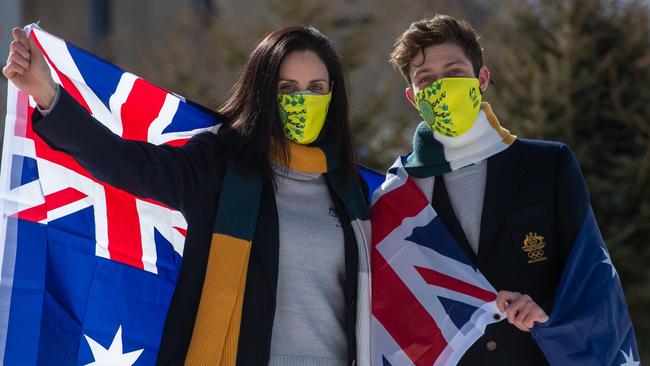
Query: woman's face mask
[303,115]
[450,106]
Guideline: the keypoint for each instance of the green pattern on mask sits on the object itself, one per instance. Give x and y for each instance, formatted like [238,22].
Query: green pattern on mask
[292,115]
[293,120]
[449,105]
[302,115]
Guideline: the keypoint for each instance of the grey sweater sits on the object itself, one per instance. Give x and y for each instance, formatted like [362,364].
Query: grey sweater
[466,188]
[309,323]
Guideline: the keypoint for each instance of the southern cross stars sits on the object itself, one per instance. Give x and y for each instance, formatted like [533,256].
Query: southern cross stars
[608,261]
[113,355]
[629,359]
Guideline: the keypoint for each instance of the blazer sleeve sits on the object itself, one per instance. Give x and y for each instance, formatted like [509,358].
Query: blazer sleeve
[163,173]
[572,200]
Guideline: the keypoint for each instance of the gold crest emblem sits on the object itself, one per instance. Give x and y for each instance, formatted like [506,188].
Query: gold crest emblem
[534,246]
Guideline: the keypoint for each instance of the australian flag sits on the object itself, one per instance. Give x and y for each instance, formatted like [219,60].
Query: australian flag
[88,270]
[430,303]
[589,323]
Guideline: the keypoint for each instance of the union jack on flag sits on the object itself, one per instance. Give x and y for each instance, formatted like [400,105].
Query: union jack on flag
[88,269]
[429,302]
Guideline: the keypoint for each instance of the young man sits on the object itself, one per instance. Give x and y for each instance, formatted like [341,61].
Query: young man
[513,205]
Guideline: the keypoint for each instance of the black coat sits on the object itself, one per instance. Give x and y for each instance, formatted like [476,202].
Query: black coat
[533,187]
[189,178]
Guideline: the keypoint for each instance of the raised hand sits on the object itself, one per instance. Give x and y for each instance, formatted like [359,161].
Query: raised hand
[27,69]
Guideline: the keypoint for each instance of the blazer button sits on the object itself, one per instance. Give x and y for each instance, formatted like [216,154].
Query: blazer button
[491,345]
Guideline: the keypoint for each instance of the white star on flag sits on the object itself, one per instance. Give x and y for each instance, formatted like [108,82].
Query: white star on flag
[608,261]
[629,359]
[113,355]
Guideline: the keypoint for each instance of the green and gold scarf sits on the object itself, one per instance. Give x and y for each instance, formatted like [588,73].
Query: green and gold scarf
[216,329]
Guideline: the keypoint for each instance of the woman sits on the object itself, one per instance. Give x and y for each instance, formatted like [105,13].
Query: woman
[275,263]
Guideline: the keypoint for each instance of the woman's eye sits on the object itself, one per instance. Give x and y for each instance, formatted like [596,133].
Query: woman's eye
[285,88]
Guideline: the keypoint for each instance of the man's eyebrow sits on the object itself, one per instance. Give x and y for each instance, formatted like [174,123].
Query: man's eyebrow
[454,62]
[420,71]
[448,64]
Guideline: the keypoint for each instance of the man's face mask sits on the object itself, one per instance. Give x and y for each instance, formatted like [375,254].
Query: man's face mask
[450,105]
[303,115]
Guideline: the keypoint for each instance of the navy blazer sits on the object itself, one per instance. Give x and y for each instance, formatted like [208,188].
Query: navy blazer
[534,192]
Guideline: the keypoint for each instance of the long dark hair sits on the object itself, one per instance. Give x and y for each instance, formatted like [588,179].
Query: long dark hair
[252,122]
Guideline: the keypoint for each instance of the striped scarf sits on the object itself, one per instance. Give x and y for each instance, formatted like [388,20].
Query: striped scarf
[435,154]
[216,329]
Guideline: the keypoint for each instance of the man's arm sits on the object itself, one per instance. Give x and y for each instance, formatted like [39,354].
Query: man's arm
[572,200]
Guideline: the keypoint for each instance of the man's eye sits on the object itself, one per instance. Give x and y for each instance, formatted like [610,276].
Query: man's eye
[454,72]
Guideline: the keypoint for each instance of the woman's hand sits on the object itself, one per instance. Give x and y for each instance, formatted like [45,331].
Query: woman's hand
[521,310]
[27,69]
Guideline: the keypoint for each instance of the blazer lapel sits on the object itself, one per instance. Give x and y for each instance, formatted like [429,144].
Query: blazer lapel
[503,177]
[266,245]
[444,209]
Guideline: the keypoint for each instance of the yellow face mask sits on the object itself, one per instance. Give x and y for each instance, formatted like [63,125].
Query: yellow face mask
[303,115]
[450,105]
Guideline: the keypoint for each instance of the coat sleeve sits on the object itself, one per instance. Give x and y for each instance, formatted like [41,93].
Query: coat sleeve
[572,200]
[163,173]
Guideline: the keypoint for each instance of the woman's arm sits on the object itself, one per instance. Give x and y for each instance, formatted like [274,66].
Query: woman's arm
[163,173]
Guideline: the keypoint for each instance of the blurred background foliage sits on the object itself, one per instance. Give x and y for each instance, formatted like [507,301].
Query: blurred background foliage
[575,71]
